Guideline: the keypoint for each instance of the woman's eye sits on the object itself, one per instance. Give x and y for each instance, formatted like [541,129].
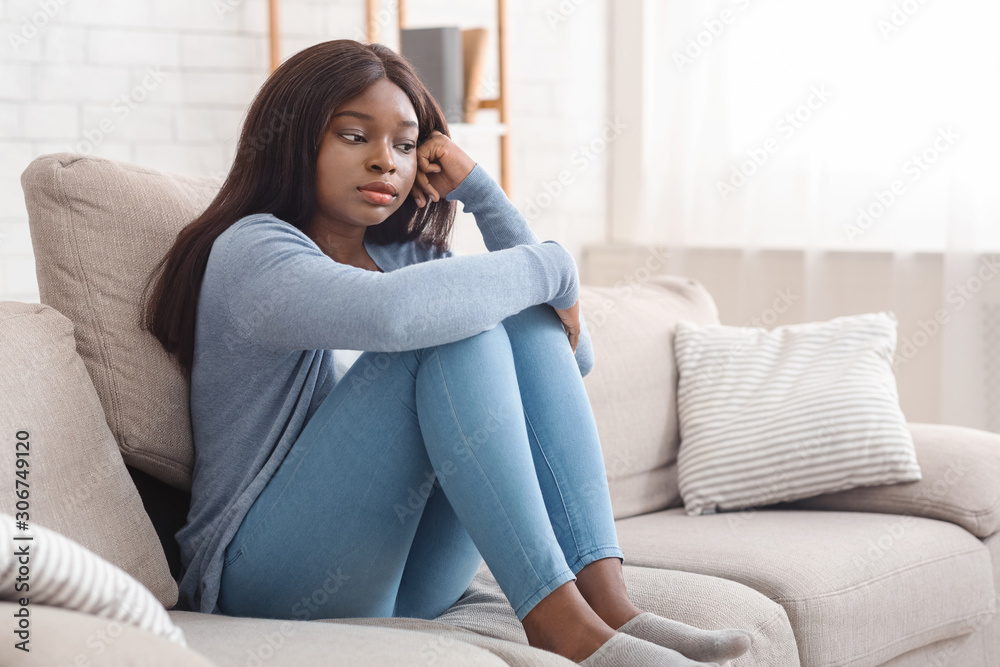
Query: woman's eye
[407,147]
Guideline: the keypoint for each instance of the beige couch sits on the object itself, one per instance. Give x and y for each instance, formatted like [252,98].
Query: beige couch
[899,575]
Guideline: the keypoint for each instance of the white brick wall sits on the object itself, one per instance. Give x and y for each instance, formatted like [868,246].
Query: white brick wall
[165,83]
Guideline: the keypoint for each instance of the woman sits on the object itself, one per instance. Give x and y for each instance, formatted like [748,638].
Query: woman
[314,492]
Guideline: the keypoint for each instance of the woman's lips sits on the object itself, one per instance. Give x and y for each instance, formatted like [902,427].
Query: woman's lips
[377,198]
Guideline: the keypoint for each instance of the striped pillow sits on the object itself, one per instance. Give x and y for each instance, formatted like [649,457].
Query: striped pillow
[60,573]
[800,410]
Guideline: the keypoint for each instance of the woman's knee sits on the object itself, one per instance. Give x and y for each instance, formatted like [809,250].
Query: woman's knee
[536,325]
[492,341]
[541,313]
[541,317]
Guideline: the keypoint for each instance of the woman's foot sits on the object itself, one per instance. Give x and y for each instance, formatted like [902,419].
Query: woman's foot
[695,643]
[602,584]
[563,623]
[624,650]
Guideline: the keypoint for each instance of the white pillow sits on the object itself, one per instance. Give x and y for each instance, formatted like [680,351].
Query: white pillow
[800,410]
[61,573]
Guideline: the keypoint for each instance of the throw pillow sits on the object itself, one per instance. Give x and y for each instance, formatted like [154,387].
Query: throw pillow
[800,410]
[69,472]
[98,228]
[40,566]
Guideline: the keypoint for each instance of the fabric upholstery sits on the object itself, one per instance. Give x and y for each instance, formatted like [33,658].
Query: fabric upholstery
[788,413]
[64,637]
[632,388]
[858,588]
[98,227]
[445,634]
[955,652]
[62,573]
[78,484]
[682,596]
[960,469]
[229,640]
[980,646]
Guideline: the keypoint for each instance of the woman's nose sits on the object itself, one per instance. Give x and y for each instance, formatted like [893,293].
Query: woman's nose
[381,158]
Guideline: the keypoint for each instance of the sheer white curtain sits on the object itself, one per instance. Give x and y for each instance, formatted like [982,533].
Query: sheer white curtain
[857,125]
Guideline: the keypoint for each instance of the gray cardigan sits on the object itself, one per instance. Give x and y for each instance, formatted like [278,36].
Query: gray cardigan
[273,310]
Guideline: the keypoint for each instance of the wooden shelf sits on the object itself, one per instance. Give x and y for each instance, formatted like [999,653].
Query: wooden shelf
[501,103]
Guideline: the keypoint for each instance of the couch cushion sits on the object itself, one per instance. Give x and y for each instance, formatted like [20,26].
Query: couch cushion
[960,467]
[683,596]
[77,482]
[981,646]
[98,227]
[64,637]
[447,634]
[230,640]
[633,388]
[859,588]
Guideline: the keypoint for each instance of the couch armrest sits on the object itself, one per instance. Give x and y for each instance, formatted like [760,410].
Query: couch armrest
[961,482]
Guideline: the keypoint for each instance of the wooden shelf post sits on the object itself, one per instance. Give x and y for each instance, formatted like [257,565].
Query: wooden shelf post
[274,32]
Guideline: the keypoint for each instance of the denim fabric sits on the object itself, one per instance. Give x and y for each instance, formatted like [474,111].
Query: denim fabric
[272,311]
[420,464]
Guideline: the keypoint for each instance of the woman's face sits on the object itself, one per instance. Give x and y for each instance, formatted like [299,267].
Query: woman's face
[371,137]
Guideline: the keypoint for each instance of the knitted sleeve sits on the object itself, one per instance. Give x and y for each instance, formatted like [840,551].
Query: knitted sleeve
[283,293]
[502,227]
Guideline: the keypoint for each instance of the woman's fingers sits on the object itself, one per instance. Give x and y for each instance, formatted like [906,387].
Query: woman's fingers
[417,192]
[422,180]
[430,167]
[570,318]
[426,156]
[426,189]
[425,184]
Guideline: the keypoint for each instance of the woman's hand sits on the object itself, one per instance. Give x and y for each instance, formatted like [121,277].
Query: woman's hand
[571,323]
[441,166]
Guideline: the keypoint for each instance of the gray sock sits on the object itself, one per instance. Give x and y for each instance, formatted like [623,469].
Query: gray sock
[624,650]
[695,643]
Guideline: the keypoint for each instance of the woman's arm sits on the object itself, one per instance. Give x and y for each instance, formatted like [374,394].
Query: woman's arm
[281,292]
[501,223]
[503,226]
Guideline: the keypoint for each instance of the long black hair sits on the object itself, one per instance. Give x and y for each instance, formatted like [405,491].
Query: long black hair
[275,172]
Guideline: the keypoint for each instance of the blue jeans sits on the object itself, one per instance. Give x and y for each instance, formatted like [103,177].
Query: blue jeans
[353,524]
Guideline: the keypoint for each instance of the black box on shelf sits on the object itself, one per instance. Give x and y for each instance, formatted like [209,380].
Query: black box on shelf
[436,54]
